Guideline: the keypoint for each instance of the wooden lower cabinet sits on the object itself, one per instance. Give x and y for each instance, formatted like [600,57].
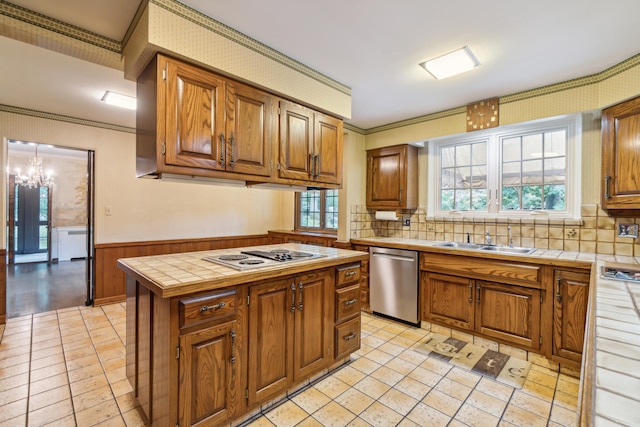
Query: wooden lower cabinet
[364,279]
[208,376]
[506,312]
[290,331]
[571,294]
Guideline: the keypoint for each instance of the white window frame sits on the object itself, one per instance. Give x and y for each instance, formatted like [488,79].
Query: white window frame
[573,125]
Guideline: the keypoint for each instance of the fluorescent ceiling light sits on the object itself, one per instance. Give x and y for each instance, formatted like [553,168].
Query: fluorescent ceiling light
[450,64]
[119,100]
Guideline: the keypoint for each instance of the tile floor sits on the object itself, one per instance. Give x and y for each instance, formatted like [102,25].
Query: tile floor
[66,368]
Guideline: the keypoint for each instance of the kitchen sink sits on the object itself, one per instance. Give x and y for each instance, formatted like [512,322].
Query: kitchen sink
[490,248]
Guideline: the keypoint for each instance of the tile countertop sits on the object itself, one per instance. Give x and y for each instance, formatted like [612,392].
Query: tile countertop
[185,273]
[610,379]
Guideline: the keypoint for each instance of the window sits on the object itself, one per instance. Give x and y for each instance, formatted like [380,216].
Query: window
[519,170]
[317,210]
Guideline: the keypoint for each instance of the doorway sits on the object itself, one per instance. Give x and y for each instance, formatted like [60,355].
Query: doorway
[49,234]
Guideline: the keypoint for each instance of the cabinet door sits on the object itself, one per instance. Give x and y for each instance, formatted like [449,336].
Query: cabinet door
[313,321]
[296,141]
[570,313]
[194,116]
[249,130]
[621,155]
[510,313]
[270,339]
[327,154]
[386,177]
[208,379]
[449,300]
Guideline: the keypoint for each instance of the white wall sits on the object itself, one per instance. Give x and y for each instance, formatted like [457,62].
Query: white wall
[145,209]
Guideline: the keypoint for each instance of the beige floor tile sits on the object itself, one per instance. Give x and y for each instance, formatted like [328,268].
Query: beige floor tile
[489,404]
[333,414]
[115,375]
[366,365]
[354,400]
[75,344]
[260,422]
[472,416]
[88,384]
[392,349]
[50,383]
[408,423]
[437,366]
[49,371]
[442,402]
[372,341]
[567,386]
[413,388]
[92,398]
[134,418]
[14,409]
[16,351]
[565,400]
[372,387]
[425,415]
[398,401]
[311,400]
[349,375]
[425,376]
[13,394]
[401,366]
[522,418]
[47,361]
[358,422]
[116,421]
[380,415]
[564,417]
[387,376]
[121,387]
[37,346]
[538,390]
[49,397]
[46,352]
[126,402]
[413,356]
[85,372]
[83,362]
[530,403]
[495,389]
[51,413]
[332,387]
[453,389]
[379,356]
[310,422]
[97,414]
[11,342]
[14,422]
[464,377]
[287,415]
[79,353]
[10,371]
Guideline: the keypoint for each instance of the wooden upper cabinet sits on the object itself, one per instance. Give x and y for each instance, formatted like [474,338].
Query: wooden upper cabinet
[621,157]
[392,177]
[310,145]
[195,116]
[250,130]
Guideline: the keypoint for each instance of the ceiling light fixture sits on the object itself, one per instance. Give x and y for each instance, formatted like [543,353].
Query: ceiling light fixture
[450,64]
[119,100]
[36,176]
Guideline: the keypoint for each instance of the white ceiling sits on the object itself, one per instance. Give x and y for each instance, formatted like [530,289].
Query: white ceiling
[372,46]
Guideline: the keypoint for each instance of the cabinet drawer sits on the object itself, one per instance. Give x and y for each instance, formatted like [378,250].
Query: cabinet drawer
[482,268]
[212,306]
[347,337]
[347,302]
[348,274]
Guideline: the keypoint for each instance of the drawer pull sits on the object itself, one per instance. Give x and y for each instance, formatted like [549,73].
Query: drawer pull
[293,297]
[349,337]
[350,273]
[218,306]
[351,301]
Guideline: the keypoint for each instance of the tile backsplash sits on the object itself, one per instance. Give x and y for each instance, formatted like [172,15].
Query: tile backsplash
[595,232]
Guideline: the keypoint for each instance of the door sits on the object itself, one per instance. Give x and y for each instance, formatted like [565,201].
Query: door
[327,149]
[90,260]
[449,299]
[570,313]
[250,130]
[208,380]
[271,320]
[507,312]
[312,338]
[386,177]
[296,141]
[195,117]
[29,220]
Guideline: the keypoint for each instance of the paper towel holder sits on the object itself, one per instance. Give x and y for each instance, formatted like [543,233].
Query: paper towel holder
[387,215]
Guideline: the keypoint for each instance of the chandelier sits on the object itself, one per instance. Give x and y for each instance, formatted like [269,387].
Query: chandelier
[36,176]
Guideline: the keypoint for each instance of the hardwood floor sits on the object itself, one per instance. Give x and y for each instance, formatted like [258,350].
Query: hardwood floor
[38,287]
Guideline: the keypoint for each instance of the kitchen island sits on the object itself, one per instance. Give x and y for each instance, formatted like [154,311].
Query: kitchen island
[208,344]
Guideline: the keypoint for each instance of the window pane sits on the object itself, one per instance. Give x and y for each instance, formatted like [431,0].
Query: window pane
[511,150]
[447,179]
[554,143]
[532,197]
[479,153]
[511,174]
[44,204]
[42,231]
[532,146]
[463,155]
[447,156]
[463,200]
[479,199]
[511,198]
[532,172]
[462,177]
[331,209]
[554,197]
[447,200]
[479,176]
[310,209]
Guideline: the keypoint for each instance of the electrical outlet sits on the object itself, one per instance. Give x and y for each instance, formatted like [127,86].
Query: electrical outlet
[107,210]
[407,222]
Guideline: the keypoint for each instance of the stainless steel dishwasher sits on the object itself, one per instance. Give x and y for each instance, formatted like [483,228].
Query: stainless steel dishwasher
[393,283]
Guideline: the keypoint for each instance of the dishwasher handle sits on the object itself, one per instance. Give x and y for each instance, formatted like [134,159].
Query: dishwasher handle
[396,257]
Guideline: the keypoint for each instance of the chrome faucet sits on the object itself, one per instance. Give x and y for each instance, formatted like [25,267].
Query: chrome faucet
[488,238]
[510,236]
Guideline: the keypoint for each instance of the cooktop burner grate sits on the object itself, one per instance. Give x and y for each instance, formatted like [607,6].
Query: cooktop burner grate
[232,257]
[251,261]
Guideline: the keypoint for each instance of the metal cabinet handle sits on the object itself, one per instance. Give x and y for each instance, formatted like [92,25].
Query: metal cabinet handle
[317,161]
[400,194]
[300,296]
[607,180]
[478,289]
[233,346]
[350,273]
[232,159]
[351,301]
[470,291]
[558,281]
[212,307]
[293,297]
[349,337]
[311,165]
[222,148]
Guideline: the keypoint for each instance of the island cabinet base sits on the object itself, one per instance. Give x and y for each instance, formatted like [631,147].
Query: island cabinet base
[209,358]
